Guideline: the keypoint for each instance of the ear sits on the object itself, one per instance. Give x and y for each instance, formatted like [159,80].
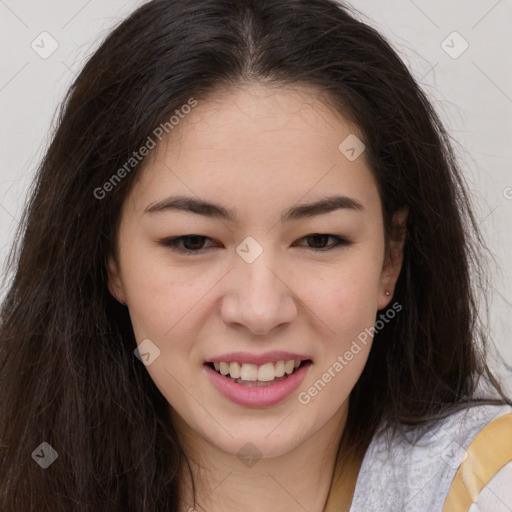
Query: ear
[394,258]
[115,284]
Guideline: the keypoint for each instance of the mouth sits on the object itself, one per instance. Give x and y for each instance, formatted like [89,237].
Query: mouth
[267,374]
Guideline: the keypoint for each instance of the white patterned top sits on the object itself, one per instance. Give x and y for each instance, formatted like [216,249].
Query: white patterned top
[397,476]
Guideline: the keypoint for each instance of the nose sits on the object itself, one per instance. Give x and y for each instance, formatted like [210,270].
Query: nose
[258,296]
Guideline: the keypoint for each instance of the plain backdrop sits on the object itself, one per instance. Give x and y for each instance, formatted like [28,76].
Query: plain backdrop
[457,49]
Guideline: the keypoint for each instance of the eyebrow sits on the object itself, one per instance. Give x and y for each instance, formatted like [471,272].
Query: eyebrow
[207,209]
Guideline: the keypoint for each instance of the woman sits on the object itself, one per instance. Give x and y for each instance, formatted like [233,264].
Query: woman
[180,334]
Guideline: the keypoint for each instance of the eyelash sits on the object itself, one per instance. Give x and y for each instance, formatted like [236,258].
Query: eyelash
[173,242]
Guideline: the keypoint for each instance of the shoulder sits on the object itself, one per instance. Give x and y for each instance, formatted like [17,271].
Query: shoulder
[413,472]
[480,481]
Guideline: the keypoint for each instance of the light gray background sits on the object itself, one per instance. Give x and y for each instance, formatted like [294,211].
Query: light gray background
[472,93]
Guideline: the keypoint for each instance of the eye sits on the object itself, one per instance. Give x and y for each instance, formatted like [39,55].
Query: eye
[191,243]
[194,244]
[321,239]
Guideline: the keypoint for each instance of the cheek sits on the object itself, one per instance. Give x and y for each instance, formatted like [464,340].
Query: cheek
[346,296]
[161,299]
[162,306]
[347,312]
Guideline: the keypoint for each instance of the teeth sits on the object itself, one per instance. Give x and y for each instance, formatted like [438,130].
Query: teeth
[235,370]
[266,372]
[279,368]
[289,366]
[251,372]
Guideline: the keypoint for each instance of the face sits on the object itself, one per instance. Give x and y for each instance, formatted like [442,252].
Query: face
[261,277]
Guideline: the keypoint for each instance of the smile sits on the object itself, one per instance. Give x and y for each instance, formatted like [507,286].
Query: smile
[257,385]
[257,375]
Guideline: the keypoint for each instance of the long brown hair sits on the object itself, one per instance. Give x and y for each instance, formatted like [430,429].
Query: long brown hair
[68,374]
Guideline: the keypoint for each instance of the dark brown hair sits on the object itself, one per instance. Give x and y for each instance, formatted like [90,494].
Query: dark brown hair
[68,375]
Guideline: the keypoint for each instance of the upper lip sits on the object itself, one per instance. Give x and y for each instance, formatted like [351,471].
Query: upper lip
[258,359]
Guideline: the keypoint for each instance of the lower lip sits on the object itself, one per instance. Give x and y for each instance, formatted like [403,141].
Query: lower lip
[257,396]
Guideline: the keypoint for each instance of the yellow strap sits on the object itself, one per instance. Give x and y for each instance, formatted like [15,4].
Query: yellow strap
[489,451]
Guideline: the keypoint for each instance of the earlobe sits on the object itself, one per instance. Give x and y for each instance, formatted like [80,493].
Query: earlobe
[115,285]
[394,258]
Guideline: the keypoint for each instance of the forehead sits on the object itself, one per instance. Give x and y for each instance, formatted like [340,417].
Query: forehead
[266,145]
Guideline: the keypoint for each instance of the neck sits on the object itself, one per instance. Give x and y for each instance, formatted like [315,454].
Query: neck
[299,479]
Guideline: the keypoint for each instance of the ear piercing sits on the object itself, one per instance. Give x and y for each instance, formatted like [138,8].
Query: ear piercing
[387,292]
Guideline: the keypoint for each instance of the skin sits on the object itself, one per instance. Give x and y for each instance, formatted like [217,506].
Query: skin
[258,150]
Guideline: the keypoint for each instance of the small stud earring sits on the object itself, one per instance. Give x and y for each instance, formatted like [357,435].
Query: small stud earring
[387,292]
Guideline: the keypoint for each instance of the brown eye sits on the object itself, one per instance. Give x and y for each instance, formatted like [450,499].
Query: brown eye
[186,244]
[318,241]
